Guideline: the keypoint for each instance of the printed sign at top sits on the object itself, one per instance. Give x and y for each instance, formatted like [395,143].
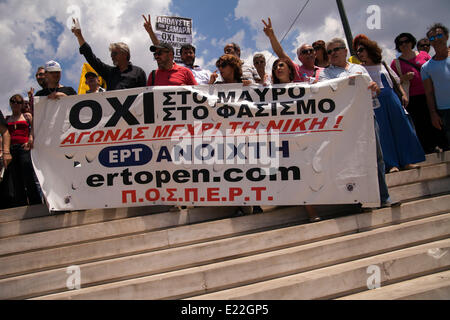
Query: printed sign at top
[174,25]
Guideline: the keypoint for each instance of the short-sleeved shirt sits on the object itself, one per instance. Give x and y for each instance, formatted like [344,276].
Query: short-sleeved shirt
[439,72]
[304,75]
[250,73]
[177,76]
[202,76]
[416,84]
[333,72]
[66,90]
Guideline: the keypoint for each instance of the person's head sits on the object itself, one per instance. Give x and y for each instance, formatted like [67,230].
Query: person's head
[230,68]
[405,42]
[40,76]
[337,52]
[92,81]
[307,55]
[423,45]
[163,54]
[187,53]
[232,48]
[26,107]
[321,52]
[120,53]
[259,61]
[438,35]
[16,102]
[282,71]
[52,73]
[357,39]
[369,51]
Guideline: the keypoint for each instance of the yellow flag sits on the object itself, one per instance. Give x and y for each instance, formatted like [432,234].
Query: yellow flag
[83,87]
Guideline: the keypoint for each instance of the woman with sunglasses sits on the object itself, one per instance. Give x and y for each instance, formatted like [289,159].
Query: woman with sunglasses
[408,66]
[20,177]
[230,68]
[322,60]
[399,143]
[284,72]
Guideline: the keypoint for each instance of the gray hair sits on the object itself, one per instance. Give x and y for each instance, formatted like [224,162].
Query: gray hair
[339,41]
[121,46]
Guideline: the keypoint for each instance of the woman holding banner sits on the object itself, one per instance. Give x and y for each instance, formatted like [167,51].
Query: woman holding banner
[284,72]
[399,142]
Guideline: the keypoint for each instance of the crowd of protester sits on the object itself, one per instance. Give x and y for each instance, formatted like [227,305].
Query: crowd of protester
[411,96]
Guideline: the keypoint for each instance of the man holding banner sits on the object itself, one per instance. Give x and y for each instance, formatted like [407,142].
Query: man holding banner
[123,75]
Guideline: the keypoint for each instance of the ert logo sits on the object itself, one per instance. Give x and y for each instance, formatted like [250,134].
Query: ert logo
[125,156]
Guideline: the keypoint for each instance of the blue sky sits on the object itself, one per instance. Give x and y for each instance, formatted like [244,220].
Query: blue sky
[33,32]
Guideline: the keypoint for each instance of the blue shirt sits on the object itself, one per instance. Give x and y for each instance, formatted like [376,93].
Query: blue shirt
[439,72]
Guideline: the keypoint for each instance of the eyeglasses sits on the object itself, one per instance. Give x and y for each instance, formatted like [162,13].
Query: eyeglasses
[15,101]
[317,48]
[160,53]
[424,45]
[400,42]
[40,74]
[360,50]
[335,50]
[259,62]
[438,36]
[307,51]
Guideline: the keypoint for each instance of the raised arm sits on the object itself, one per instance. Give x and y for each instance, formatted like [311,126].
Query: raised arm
[276,46]
[149,29]
[78,34]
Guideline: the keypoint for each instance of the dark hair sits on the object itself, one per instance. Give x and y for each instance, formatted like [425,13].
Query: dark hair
[187,46]
[373,50]
[438,26]
[15,96]
[357,39]
[402,35]
[288,62]
[320,44]
[234,62]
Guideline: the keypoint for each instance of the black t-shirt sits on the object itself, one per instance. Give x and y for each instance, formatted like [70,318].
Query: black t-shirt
[2,120]
[66,90]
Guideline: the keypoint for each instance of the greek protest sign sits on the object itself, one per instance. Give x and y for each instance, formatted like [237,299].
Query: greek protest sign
[175,30]
[229,144]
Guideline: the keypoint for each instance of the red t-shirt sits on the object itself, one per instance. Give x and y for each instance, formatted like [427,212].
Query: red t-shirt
[416,85]
[177,76]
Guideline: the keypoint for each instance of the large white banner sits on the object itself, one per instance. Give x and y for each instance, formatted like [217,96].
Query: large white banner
[291,144]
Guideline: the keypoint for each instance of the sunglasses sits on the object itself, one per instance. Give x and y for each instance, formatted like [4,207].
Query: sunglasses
[160,53]
[307,51]
[360,50]
[438,36]
[400,42]
[424,45]
[15,101]
[335,50]
[223,65]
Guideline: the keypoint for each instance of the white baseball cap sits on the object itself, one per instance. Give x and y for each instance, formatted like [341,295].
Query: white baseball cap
[52,66]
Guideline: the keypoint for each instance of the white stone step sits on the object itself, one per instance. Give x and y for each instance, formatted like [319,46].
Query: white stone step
[342,279]
[226,274]
[432,287]
[424,173]
[109,229]
[105,249]
[420,189]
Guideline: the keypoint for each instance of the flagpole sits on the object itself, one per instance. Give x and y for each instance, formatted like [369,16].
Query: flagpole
[345,24]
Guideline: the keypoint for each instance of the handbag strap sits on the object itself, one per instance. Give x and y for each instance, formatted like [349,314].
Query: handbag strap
[394,82]
[399,67]
[411,64]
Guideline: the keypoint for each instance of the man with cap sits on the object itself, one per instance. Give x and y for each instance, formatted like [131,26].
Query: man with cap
[168,73]
[187,53]
[123,75]
[93,82]
[54,90]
